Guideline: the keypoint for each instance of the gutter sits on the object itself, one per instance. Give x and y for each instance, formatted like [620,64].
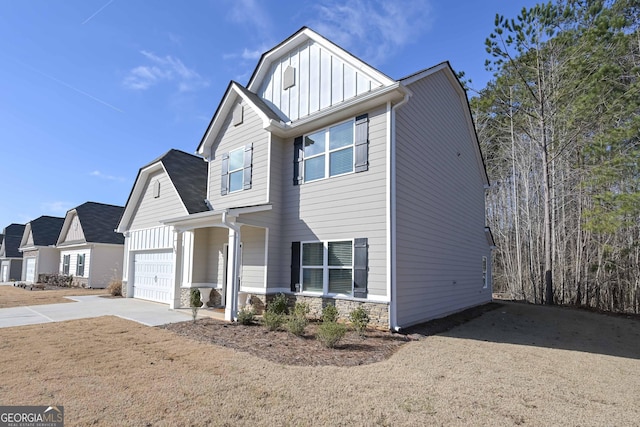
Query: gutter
[393,303]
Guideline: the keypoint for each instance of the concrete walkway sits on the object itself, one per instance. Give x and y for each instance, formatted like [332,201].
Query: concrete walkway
[145,312]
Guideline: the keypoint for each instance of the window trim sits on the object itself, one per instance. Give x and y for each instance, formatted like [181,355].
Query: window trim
[328,151]
[80,265]
[232,171]
[326,268]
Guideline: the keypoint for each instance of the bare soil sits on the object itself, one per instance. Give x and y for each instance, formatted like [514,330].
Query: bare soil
[515,365]
[13,296]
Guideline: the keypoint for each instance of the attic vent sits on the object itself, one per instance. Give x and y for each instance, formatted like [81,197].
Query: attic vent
[156,189]
[288,77]
[238,115]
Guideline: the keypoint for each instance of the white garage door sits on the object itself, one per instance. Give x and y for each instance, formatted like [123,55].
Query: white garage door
[31,270]
[153,276]
[4,273]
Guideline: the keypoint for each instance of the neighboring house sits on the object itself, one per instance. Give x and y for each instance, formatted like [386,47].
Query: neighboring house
[174,185]
[332,183]
[90,249]
[39,254]
[10,256]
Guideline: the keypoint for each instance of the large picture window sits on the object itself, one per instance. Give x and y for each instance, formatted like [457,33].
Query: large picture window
[327,267]
[329,152]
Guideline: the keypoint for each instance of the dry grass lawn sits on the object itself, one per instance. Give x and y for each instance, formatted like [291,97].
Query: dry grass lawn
[11,296]
[516,365]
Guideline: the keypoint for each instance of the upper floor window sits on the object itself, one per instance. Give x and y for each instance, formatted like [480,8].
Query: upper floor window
[336,150]
[329,152]
[236,170]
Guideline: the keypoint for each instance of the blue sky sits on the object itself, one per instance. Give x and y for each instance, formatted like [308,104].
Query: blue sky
[91,90]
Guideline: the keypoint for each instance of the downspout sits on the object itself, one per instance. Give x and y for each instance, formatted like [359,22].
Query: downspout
[393,302]
[232,294]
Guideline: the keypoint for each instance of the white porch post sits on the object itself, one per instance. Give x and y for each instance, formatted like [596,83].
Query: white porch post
[178,262]
[233,270]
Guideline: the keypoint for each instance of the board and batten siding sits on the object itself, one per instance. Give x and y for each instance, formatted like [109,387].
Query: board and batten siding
[151,210]
[322,79]
[342,207]
[155,238]
[250,131]
[75,232]
[440,213]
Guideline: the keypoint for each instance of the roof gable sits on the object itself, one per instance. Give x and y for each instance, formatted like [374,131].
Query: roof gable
[12,237]
[188,175]
[320,75]
[92,222]
[43,231]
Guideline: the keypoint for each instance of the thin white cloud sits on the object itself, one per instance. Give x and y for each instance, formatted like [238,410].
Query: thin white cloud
[372,29]
[163,69]
[55,207]
[252,14]
[101,175]
[97,12]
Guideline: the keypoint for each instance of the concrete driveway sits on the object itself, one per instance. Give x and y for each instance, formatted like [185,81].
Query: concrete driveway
[145,312]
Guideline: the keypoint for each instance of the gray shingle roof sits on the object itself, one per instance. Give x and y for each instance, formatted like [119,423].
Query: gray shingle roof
[45,230]
[189,176]
[99,221]
[12,237]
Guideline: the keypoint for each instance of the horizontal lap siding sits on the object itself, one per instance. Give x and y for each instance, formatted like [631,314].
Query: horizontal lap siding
[73,261]
[233,137]
[439,204]
[208,255]
[151,210]
[106,265]
[343,207]
[253,247]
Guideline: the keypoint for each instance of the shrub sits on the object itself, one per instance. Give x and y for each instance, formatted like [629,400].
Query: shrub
[297,321]
[330,333]
[115,288]
[272,320]
[246,316]
[329,313]
[360,319]
[194,302]
[279,305]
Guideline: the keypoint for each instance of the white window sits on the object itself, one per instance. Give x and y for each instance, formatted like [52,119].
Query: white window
[327,267]
[485,281]
[80,265]
[236,168]
[66,260]
[329,152]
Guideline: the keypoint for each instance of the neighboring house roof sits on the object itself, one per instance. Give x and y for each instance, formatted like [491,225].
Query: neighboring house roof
[187,172]
[98,222]
[12,237]
[44,231]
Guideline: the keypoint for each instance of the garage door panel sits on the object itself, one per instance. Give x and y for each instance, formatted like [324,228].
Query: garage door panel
[153,276]
[31,270]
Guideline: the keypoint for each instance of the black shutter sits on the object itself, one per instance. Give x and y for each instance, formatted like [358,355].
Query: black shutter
[297,161]
[360,267]
[295,266]
[248,157]
[362,143]
[224,179]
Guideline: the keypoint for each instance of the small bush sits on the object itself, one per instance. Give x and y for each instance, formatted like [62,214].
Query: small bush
[272,320]
[297,321]
[330,333]
[246,316]
[330,313]
[360,319]
[279,305]
[296,325]
[194,302]
[115,288]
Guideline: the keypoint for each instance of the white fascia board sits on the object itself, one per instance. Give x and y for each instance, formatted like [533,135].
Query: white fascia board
[227,104]
[394,93]
[136,193]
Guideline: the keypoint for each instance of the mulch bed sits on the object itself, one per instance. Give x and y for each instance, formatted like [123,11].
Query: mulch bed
[287,349]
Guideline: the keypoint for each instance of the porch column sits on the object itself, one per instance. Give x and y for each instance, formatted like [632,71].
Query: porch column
[233,270]
[178,261]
